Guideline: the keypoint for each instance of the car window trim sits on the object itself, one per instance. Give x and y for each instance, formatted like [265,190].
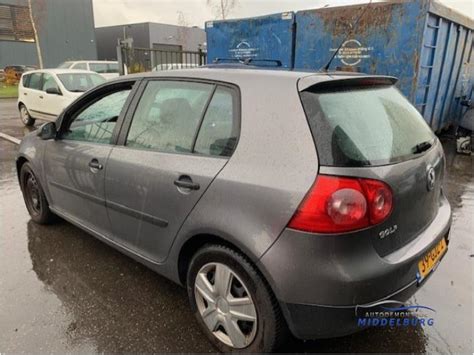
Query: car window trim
[90,98]
[236,118]
[236,95]
[201,119]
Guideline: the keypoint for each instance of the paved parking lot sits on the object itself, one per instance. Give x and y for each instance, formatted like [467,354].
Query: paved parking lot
[62,290]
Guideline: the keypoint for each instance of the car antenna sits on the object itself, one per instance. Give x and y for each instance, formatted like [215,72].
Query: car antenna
[326,67]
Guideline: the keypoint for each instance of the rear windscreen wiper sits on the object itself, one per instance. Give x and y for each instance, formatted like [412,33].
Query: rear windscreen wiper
[422,147]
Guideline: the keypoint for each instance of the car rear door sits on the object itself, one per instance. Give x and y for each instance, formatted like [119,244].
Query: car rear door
[76,162]
[30,94]
[162,166]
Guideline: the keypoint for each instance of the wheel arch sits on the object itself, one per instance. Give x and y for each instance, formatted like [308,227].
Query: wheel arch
[197,241]
[20,161]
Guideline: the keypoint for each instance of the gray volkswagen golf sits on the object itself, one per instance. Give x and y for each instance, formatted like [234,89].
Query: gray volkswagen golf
[283,201]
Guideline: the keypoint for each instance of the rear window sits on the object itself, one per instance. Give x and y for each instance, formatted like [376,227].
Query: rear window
[364,126]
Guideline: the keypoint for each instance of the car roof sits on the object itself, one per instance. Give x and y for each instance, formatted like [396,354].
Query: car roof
[236,74]
[61,71]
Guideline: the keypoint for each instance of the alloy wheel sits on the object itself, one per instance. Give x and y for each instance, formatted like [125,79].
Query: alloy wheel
[225,305]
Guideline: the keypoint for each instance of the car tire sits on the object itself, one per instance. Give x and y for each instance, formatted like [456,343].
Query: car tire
[35,199]
[248,297]
[25,116]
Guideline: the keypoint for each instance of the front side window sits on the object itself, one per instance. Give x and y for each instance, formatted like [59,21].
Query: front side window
[80,82]
[168,116]
[49,82]
[96,122]
[219,129]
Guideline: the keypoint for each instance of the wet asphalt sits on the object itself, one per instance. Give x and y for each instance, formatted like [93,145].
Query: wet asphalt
[61,290]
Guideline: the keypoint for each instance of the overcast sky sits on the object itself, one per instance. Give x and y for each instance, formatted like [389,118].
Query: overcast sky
[195,12]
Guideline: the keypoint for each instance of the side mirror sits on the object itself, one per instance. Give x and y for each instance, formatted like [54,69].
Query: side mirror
[48,131]
[53,91]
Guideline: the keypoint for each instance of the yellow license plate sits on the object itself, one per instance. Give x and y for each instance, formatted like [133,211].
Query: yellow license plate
[430,260]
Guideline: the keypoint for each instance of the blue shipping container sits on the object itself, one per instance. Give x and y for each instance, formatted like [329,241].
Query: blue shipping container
[423,43]
[426,45]
[266,37]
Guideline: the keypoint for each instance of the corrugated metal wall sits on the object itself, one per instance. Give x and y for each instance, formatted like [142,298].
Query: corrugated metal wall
[444,75]
[425,44]
[66,31]
[385,41]
[266,37]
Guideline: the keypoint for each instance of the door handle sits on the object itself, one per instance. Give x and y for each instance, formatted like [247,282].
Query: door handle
[41,96]
[95,165]
[25,94]
[186,182]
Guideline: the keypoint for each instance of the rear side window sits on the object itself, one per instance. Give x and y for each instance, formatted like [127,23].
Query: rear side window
[219,129]
[35,81]
[26,80]
[365,126]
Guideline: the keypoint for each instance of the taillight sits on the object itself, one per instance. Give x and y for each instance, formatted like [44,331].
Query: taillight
[341,204]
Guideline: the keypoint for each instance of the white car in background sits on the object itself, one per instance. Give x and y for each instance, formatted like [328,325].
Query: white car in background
[108,69]
[44,94]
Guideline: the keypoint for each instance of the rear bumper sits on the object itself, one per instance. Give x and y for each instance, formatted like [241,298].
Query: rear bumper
[321,280]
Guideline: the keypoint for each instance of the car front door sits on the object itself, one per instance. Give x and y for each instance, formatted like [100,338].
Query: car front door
[76,162]
[164,162]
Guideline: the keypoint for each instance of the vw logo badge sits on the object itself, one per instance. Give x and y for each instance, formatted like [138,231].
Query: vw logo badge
[431,179]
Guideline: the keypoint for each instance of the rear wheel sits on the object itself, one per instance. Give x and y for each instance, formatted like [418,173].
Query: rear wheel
[25,116]
[232,303]
[34,196]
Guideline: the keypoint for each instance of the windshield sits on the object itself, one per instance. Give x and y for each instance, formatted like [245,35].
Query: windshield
[365,126]
[65,65]
[80,82]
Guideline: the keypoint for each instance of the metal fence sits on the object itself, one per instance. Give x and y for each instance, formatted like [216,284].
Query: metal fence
[138,60]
